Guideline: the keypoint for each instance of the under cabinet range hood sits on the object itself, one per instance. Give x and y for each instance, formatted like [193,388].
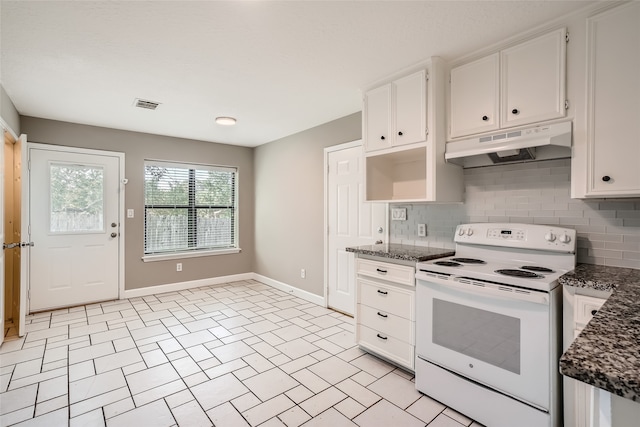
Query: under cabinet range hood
[542,142]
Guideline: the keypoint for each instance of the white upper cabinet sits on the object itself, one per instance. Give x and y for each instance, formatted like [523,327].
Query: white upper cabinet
[474,97]
[410,109]
[533,80]
[408,164]
[613,104]
[520,85]
[377,118]
[396,113]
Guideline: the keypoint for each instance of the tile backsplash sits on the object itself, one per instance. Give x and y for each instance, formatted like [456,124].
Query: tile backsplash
[537,193]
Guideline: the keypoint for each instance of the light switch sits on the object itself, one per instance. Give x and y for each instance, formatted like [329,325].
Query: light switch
[129,213]
[422,230]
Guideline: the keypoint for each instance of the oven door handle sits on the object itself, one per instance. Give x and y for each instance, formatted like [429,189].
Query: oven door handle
[489,290]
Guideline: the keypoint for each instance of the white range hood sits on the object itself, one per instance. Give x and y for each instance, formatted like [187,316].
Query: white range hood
[542,142]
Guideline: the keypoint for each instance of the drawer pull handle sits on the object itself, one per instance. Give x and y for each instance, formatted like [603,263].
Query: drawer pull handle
[381,271]
[593,312]
[381,337]
[382,292]
[382,315]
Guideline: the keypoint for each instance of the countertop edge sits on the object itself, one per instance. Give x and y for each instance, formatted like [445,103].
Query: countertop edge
[604,354]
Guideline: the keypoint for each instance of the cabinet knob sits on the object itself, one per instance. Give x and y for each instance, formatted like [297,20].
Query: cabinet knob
[382,137]
[606,178]
[515,111]
[593,312]
[485,118]
[400,133]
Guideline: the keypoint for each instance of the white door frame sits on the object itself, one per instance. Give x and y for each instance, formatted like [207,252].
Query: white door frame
[327,150]
[121,217]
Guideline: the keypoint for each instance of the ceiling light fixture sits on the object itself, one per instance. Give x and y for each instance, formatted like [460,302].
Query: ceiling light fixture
[225,121]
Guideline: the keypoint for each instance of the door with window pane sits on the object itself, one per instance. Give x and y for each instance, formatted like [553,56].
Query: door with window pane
[74,208]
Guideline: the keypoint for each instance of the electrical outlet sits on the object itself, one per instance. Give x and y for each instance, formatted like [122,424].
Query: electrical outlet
[422,230]
[303,273]
[129,213]
[179,266]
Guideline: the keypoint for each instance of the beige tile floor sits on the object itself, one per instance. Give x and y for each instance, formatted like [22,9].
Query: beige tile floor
[240,354]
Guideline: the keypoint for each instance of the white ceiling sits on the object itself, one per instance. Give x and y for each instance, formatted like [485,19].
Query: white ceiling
[279,67]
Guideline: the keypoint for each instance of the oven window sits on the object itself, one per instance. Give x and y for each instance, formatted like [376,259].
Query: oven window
[490,337]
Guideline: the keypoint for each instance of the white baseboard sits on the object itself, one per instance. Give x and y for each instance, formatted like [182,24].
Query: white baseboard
[181,286]
[307,296]
[212,281]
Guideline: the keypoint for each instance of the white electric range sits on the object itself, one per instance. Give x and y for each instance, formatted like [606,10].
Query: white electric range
[488,326]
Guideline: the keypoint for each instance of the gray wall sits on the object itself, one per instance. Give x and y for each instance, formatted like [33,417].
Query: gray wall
[8,112]
[138,147]
[290,202]
[538,193]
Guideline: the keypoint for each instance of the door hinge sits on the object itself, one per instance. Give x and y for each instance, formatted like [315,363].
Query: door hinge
[29,164]
[29,294]
[426,132]
[426,76]
[566,37]
[566,104]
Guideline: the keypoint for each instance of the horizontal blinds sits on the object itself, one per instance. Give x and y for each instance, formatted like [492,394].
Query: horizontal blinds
[189,207]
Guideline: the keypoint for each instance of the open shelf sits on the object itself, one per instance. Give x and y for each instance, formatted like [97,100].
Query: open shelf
[397,176]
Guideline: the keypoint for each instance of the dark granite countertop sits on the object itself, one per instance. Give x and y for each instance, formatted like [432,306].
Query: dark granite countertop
[402,252]
[606,354]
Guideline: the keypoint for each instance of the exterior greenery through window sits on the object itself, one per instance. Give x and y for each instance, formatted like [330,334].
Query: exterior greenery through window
[189,207]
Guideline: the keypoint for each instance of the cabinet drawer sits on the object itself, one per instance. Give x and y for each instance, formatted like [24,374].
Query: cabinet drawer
[389,324]
[388,299]
[585,308]
[401,274]
[386,346]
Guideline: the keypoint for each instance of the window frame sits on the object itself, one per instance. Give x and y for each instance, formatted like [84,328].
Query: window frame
[192,212]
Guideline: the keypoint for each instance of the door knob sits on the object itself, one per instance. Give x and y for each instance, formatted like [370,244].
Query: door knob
[114,234]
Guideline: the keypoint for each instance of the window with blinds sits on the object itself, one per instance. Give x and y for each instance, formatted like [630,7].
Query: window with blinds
[189,207]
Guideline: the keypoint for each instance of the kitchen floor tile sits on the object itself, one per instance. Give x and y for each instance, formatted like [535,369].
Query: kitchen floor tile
[443,421]
[226,415]
[219,390]
[270,383]
[396,390]
[237,354]
[385,413]
[156,413]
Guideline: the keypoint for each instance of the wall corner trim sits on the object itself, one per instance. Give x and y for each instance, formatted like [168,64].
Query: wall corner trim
[307,296]
[181,286]
[213,281]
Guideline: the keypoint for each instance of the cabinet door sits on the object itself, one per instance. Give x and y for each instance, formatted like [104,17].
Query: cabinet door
[410,109]
[613,99]
[533,80]
[377,118]
[474,97]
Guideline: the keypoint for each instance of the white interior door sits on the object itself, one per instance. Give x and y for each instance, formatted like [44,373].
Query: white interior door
[351,222]
[74,216]
[2,282]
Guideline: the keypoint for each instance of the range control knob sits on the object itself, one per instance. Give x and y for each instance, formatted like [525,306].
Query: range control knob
[564,238]
[461,231]
[469,232]
[550,237]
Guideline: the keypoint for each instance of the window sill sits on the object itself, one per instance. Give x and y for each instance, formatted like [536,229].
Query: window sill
[165,257]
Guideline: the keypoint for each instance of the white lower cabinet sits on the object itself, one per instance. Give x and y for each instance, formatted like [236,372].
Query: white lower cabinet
[385,314]
[582,402]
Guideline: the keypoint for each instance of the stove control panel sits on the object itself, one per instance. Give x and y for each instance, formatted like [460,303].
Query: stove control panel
[506,234]
[525,236]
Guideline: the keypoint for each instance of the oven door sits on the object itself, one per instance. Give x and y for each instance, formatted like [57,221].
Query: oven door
[497,338]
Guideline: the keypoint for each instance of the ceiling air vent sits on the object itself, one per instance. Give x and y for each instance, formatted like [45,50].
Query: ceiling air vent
[142,103]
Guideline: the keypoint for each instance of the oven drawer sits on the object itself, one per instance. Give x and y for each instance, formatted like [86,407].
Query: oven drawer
[386,346]
[585,308]
[401,274]
[389,299]
[388,323]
